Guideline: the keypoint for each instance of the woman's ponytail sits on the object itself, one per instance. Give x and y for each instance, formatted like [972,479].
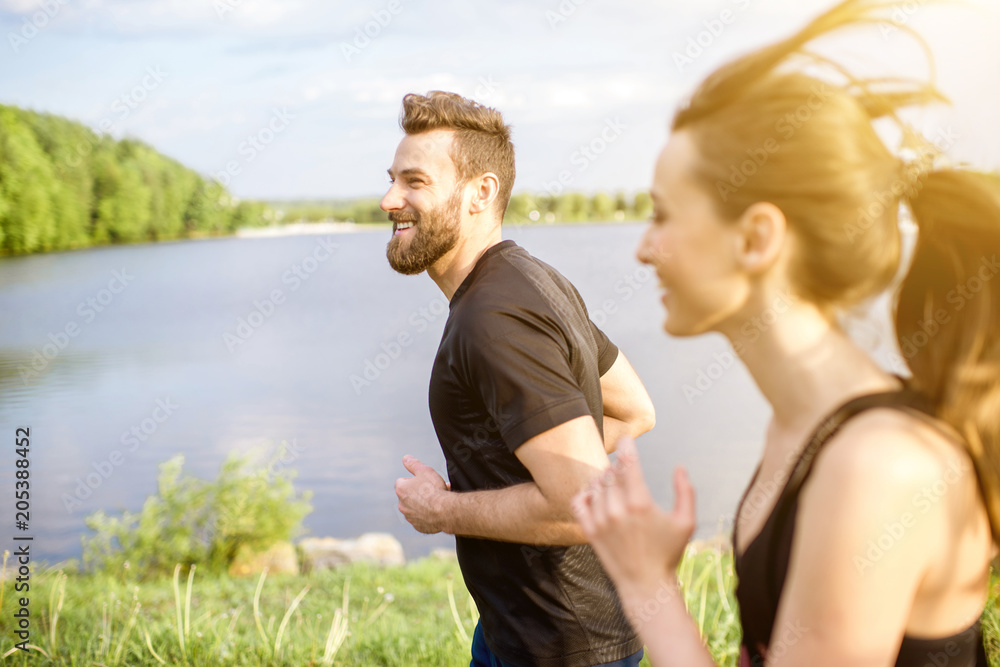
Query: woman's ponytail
[948,313]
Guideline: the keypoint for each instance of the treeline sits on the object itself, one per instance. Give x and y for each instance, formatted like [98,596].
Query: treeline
[63,186]
[524,208]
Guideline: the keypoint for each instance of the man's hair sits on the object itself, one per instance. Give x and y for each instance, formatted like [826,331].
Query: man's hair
[482,140]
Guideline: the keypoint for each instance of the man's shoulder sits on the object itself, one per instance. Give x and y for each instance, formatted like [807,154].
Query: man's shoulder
[514,278]
[515,258]
[514,292]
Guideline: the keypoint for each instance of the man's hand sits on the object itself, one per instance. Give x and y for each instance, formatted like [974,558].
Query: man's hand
[420,496]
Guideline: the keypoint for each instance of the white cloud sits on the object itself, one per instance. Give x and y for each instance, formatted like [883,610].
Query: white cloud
[556,85]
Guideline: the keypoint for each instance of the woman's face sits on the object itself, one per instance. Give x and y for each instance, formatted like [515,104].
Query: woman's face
[692,249]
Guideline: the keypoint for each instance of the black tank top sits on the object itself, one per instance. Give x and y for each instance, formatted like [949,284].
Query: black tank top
[762,567]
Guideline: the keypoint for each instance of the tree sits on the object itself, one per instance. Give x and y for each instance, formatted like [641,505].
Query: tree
[643,205]
[602,208]
[26,184]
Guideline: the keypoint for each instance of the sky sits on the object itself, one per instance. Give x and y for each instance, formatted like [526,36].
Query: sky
[287,99]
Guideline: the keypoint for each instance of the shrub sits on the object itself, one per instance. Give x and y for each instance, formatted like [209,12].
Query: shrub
[194,521]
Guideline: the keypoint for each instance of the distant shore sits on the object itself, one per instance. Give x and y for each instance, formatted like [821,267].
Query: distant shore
[302,228]
[335,227]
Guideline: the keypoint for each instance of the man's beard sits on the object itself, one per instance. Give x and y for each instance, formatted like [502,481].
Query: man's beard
[434,234]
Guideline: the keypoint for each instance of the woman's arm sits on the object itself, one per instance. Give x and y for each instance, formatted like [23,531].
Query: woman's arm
[640,547]
[870,523]
[843,603]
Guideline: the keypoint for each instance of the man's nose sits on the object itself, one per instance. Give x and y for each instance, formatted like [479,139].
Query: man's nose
[392,201]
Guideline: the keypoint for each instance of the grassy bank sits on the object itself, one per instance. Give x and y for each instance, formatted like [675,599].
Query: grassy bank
[358,615]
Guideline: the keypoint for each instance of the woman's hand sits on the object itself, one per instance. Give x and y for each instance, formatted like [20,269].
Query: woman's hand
[639,544]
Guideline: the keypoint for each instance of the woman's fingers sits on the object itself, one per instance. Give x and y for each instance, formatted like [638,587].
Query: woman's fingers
[614,495]
[598,511]
[627,452]
[581,510]
[629,473]
[684,505]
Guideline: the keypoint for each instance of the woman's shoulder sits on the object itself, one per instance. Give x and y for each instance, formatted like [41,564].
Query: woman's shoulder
[890,466]
[889,444]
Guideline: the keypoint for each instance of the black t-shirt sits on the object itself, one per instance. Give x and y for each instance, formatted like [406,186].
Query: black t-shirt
[518,357]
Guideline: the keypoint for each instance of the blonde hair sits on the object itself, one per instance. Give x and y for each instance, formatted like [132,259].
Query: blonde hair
[768,131]
[482,140]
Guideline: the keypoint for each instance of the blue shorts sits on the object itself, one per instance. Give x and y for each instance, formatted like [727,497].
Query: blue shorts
[483,657]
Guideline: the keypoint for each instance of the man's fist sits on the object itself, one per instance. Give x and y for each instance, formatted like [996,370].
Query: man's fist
[420,496]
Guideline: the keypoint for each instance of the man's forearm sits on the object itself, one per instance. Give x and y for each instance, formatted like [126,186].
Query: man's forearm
[518,513]
[615,430]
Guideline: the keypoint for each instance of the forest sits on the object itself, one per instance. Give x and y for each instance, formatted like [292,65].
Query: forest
[63,186]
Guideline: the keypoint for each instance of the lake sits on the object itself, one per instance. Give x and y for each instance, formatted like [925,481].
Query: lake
[206,347]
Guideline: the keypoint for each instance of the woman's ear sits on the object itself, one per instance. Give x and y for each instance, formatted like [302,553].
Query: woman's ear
[763,232]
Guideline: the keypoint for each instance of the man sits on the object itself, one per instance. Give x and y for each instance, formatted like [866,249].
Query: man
[522,388]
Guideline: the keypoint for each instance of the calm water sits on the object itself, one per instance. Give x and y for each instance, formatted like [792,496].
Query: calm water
[207,347]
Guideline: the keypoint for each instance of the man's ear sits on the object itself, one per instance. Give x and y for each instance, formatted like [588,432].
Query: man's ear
[763,232]
[486,192]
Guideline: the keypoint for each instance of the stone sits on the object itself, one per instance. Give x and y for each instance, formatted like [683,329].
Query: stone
[280,558]
[324,553]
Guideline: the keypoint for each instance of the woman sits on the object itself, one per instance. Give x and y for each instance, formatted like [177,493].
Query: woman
[866,535]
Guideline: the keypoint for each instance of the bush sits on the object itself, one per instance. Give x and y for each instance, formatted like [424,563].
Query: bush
[193,521]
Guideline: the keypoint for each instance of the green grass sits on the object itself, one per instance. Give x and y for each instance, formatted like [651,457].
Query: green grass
[394,616]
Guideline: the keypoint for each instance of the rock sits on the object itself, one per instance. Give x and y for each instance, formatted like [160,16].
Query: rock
[323,553]
[280,558]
